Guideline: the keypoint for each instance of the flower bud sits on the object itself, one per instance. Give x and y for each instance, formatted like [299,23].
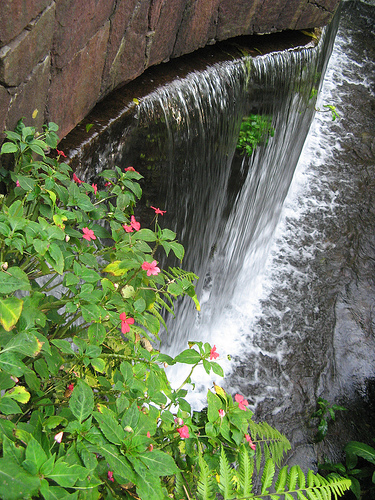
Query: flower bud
[4,266]
[116,285]
[67,238]
[128,429]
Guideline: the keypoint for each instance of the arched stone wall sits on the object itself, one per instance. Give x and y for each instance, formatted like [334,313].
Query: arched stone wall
[61,57]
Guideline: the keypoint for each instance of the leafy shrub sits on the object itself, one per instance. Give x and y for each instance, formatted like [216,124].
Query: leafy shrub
[87,410]
[255,129]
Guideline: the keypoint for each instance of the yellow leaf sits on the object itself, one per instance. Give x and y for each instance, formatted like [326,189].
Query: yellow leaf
[59,219]
[219,390]
[10,311]
[35,113]
[135,100]
[18,393]
[113,268]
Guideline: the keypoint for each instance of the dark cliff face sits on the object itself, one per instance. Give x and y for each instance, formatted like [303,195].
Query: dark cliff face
[62,57]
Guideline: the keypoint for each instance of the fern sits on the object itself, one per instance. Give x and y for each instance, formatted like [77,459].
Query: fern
[270,443]
[226,484]
[205,487]
[294,483]
[246,469]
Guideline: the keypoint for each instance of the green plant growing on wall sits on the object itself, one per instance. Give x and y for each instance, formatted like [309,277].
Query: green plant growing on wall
[87,410]
[325,413]
[359,468]
[255,130]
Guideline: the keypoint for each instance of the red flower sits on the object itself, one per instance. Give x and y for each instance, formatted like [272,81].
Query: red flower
[130,169]
[61,153]
[183,432]
[75,179]
[133,225]
[242,403]
[71,387]
[158,211]
[95,187]
[151,268]
[221,413]
[107,184]
[110,476]
[125,322]
[88,234]
[248,439]
[213,353]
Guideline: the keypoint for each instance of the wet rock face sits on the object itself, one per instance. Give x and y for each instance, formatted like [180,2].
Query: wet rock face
[95,46]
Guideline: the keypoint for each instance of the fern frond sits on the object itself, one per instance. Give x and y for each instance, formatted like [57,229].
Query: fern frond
[270,441]
[226,483]
[176,272]
[281,479]
[178,491]
[162,303]
[267,476]
[205,488]
[246,469]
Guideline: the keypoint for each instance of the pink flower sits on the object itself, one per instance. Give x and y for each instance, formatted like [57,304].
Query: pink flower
[133,225]
[125,322]
[213,353]
[158,211]
[61,153]
[221,413]
[18,183]
[151,268]
[110,476]
[107,184]
[75,179]
[95,188]
[248,439]
[88,234]
[58,437]
[183,432]
[148,434]
[242,403]
[130,169]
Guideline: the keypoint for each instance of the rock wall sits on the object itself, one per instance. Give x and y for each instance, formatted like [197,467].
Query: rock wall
[61,57]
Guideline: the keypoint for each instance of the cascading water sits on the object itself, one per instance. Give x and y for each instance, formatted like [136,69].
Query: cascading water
[262,308]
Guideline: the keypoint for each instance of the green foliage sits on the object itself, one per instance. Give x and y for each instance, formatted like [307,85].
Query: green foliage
[87,410]
[255,129]
[359,468]
[325,413]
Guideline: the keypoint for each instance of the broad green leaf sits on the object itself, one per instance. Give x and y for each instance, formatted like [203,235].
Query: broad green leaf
[13,452]
[57,257]
[35,454]
[9,407]
[16,209]
[177,249]
[98,364]
[97,333]
[11,363]
[10,311]
[167,234]
[214,405]
[361,450]
[26,183]
[13,279]
[188,356]
[81,401]
[15,482]
[67,475]
[109,425]
[144,235]
[8,147]
[120,466]
[149,486]
[41,246]
[158,462]
[24,343]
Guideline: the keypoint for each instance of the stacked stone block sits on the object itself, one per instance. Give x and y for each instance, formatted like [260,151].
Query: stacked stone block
[63,56]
